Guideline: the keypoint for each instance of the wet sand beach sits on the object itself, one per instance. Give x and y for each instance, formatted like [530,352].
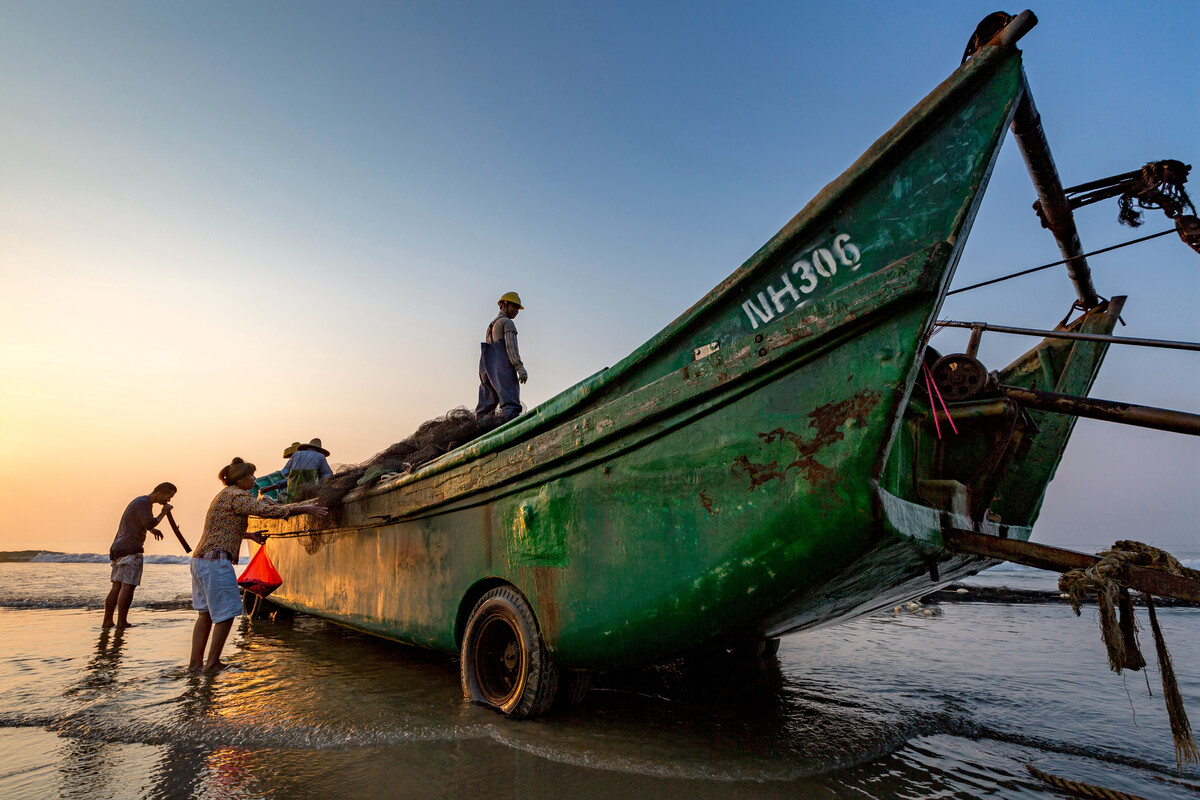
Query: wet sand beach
[952,704]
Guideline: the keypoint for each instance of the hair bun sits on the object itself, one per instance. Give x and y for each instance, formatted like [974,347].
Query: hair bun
[234,470]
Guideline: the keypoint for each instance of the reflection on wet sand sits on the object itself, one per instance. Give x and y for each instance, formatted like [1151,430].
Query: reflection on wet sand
[101,671]
[88,764]
[711,717]
[312,710]
[183,763]
[97,757]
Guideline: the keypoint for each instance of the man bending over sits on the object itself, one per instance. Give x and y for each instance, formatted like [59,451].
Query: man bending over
[128,547]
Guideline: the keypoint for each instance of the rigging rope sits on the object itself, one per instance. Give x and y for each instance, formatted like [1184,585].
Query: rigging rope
[1057,263]
[1119,630]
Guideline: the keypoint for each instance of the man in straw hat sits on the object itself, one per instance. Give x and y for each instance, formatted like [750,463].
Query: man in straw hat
[500,369]
[126,552]
[307,465]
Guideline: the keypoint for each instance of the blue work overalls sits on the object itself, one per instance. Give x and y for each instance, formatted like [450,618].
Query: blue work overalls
[497,379]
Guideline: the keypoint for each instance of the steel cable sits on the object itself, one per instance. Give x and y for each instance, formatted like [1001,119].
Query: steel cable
[1057,263]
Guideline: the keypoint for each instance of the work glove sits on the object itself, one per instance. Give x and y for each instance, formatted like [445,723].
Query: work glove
[522,375]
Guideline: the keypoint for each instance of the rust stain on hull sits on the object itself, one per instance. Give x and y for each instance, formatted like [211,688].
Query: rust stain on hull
[828,421]
[758,473]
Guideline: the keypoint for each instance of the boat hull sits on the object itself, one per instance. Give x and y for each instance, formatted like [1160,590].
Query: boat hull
[724,476]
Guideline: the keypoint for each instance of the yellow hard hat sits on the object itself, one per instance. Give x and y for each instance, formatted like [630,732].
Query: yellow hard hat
[511,297]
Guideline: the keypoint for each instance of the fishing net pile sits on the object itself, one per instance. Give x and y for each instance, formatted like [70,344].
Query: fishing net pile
[1119,630]
[433,438]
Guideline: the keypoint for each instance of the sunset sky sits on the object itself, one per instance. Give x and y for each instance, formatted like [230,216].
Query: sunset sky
[227,226]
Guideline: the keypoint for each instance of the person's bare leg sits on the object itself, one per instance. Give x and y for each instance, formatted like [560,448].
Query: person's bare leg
[199,640]
[124,600]
[110,604]
[220,632]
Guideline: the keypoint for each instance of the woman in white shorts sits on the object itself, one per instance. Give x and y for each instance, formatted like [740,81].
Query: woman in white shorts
[214,584]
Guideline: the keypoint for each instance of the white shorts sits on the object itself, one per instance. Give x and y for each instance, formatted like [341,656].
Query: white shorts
[128,569]
[215,589]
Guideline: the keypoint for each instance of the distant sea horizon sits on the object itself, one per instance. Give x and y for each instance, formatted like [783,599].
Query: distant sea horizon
[54,556]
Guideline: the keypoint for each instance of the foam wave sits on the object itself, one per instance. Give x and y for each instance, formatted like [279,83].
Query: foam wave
[214,731]
[88,603]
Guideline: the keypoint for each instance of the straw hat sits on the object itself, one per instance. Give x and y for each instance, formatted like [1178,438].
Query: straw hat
[291,449]
[315,444]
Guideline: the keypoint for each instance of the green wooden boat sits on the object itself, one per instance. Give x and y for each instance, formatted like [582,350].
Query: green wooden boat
[769,462]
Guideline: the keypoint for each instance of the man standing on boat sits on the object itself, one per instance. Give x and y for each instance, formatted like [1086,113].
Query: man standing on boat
[127,549]
[500,369]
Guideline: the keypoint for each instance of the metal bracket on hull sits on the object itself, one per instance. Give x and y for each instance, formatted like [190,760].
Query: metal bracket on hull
[1042,556]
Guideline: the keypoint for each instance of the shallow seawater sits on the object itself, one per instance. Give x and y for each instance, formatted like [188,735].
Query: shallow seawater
[895,705]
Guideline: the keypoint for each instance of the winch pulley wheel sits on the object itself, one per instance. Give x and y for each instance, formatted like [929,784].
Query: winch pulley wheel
[959,377]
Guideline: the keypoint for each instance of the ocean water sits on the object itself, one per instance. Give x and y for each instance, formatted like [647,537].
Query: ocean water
[898,705]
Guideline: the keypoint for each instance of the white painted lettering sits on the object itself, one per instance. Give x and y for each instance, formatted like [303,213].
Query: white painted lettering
[787,289]
[765,313]
[847,253]
[823,261]
[806,274]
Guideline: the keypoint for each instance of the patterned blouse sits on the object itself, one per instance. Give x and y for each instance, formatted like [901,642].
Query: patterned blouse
[225,523]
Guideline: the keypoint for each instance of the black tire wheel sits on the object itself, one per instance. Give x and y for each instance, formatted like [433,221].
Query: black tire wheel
[505,665]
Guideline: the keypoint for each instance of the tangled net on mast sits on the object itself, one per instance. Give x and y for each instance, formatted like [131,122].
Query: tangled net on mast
[1158,184]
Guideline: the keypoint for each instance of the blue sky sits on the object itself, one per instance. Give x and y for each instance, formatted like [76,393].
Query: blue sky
[227,226]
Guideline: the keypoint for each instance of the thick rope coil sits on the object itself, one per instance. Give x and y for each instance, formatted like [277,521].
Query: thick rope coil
[1119,629]
[1080,789]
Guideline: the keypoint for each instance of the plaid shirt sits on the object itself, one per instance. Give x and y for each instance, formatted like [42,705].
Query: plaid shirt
[225,523]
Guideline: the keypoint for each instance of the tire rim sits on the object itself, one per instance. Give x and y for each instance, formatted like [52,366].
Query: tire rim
[498,662]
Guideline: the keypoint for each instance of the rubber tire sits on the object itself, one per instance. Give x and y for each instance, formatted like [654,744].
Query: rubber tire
[504,663]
